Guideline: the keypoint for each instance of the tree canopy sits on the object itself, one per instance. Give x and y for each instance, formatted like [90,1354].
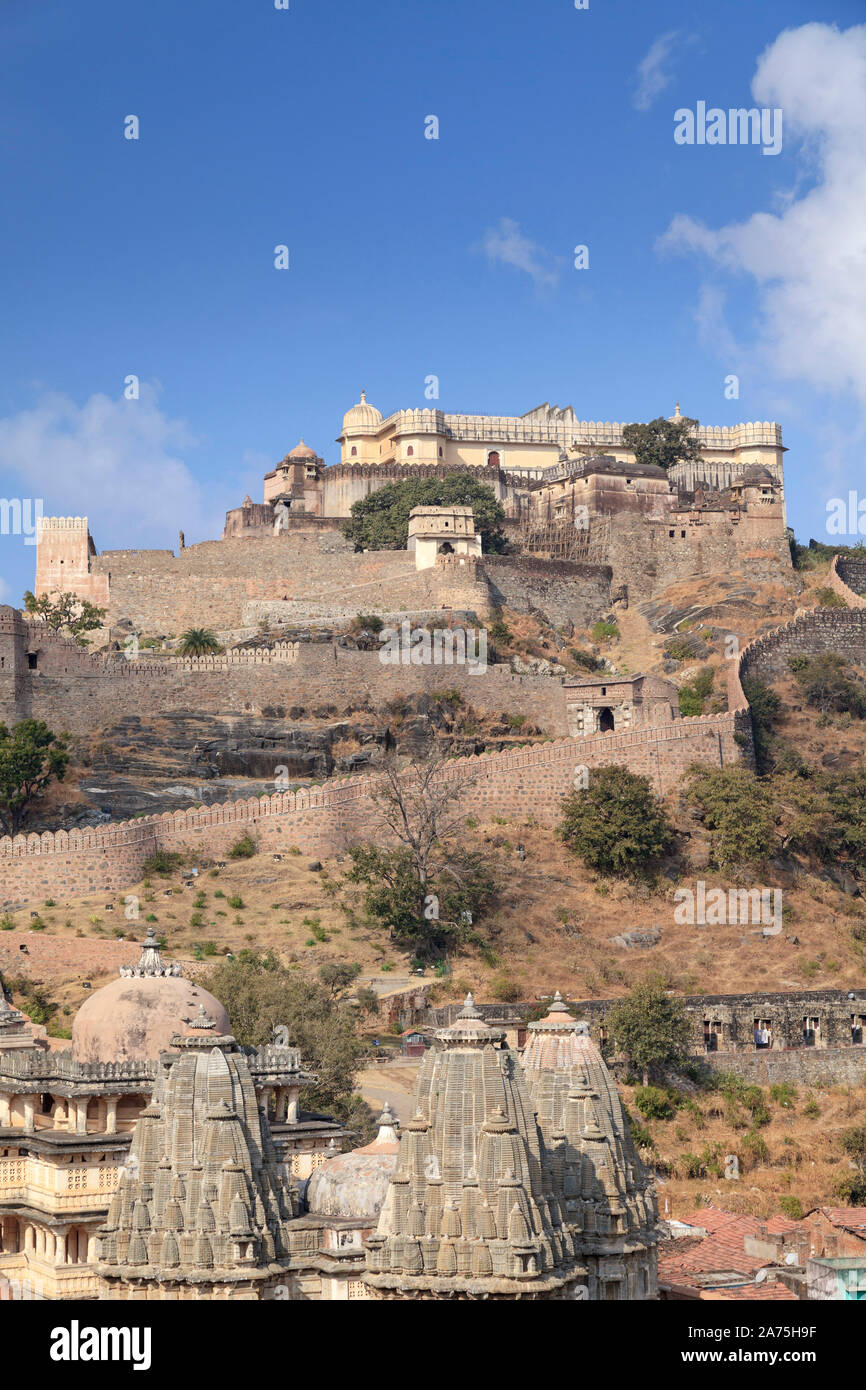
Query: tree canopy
[31,757]
[66,613]
[381,521]
[429,888]
[663,442]
[260,995]
[198,641]
[616,824]
[651,1026]
[738,810]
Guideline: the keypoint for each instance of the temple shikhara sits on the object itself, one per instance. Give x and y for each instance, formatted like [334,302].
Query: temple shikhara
[159,1159]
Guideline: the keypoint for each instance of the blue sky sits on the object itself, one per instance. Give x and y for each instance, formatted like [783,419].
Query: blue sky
[408,256]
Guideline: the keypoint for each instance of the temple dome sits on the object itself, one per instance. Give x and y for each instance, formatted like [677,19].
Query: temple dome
[355,1184]
[363,418]
[134,1018]
[302,451]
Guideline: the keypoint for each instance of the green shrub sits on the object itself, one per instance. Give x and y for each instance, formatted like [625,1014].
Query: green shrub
[616,824]
[236,902]
[791,1207]
[690,702]
[584,659]
[244,848]
[753,1147]
[692,1166]
[653,1103]
[602,631]
[679,650]
[369,622]
[828,598]
[505,989]
[163,862]
[783,1093]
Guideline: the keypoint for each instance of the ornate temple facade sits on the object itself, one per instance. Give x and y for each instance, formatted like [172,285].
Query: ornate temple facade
[69,1119]
[189,1173]
[516,1177]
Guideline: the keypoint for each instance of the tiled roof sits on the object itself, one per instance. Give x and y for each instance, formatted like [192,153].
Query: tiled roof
[763,1292]
[722,1251]
[852,1218]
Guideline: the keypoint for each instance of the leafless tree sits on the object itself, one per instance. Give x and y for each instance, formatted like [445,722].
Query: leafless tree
[420,807]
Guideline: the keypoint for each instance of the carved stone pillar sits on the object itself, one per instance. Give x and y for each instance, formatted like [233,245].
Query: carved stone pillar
[60,1254]
[111,1114]
[81,1116]
[29,1113]
[292,1112]
[5,1111]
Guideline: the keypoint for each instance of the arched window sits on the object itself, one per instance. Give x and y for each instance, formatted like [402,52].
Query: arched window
[354,451]
[605,720]
[440,450]
[410,450]
[493,458]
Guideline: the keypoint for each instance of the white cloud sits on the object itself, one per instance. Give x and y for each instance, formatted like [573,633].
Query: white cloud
[653,70]
[808,260]
[507,245]
[713,329]
[118,462]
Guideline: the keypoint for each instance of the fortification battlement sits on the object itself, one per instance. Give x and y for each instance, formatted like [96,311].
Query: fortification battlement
[813,629]
[38,637]
[61,523]
[564,428]
[843,569]
[344,791]
[401,471]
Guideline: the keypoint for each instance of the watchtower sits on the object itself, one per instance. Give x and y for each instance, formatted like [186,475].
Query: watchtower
[441,531]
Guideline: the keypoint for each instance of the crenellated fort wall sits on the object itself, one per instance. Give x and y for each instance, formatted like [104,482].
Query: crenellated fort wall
[325,820]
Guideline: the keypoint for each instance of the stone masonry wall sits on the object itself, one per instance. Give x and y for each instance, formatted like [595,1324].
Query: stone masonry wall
[324,821]
[563,590]
[647,558]
[848,579]
[309,675]
[810,1066]
[815,630]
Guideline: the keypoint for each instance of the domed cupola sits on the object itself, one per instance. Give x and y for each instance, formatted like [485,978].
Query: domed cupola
[355,1184]
[363,418]
[134,1018]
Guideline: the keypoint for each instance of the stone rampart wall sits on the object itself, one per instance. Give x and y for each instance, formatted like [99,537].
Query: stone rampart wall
[647,558]
[810,1066]
[848,579]
[322,821]
[814,630]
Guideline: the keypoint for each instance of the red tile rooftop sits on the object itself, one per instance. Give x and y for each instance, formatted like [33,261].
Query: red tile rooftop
[764,1292]
[852,1218]
[721,1253]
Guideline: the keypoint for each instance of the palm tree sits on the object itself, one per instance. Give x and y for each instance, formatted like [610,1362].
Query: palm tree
[198,641]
